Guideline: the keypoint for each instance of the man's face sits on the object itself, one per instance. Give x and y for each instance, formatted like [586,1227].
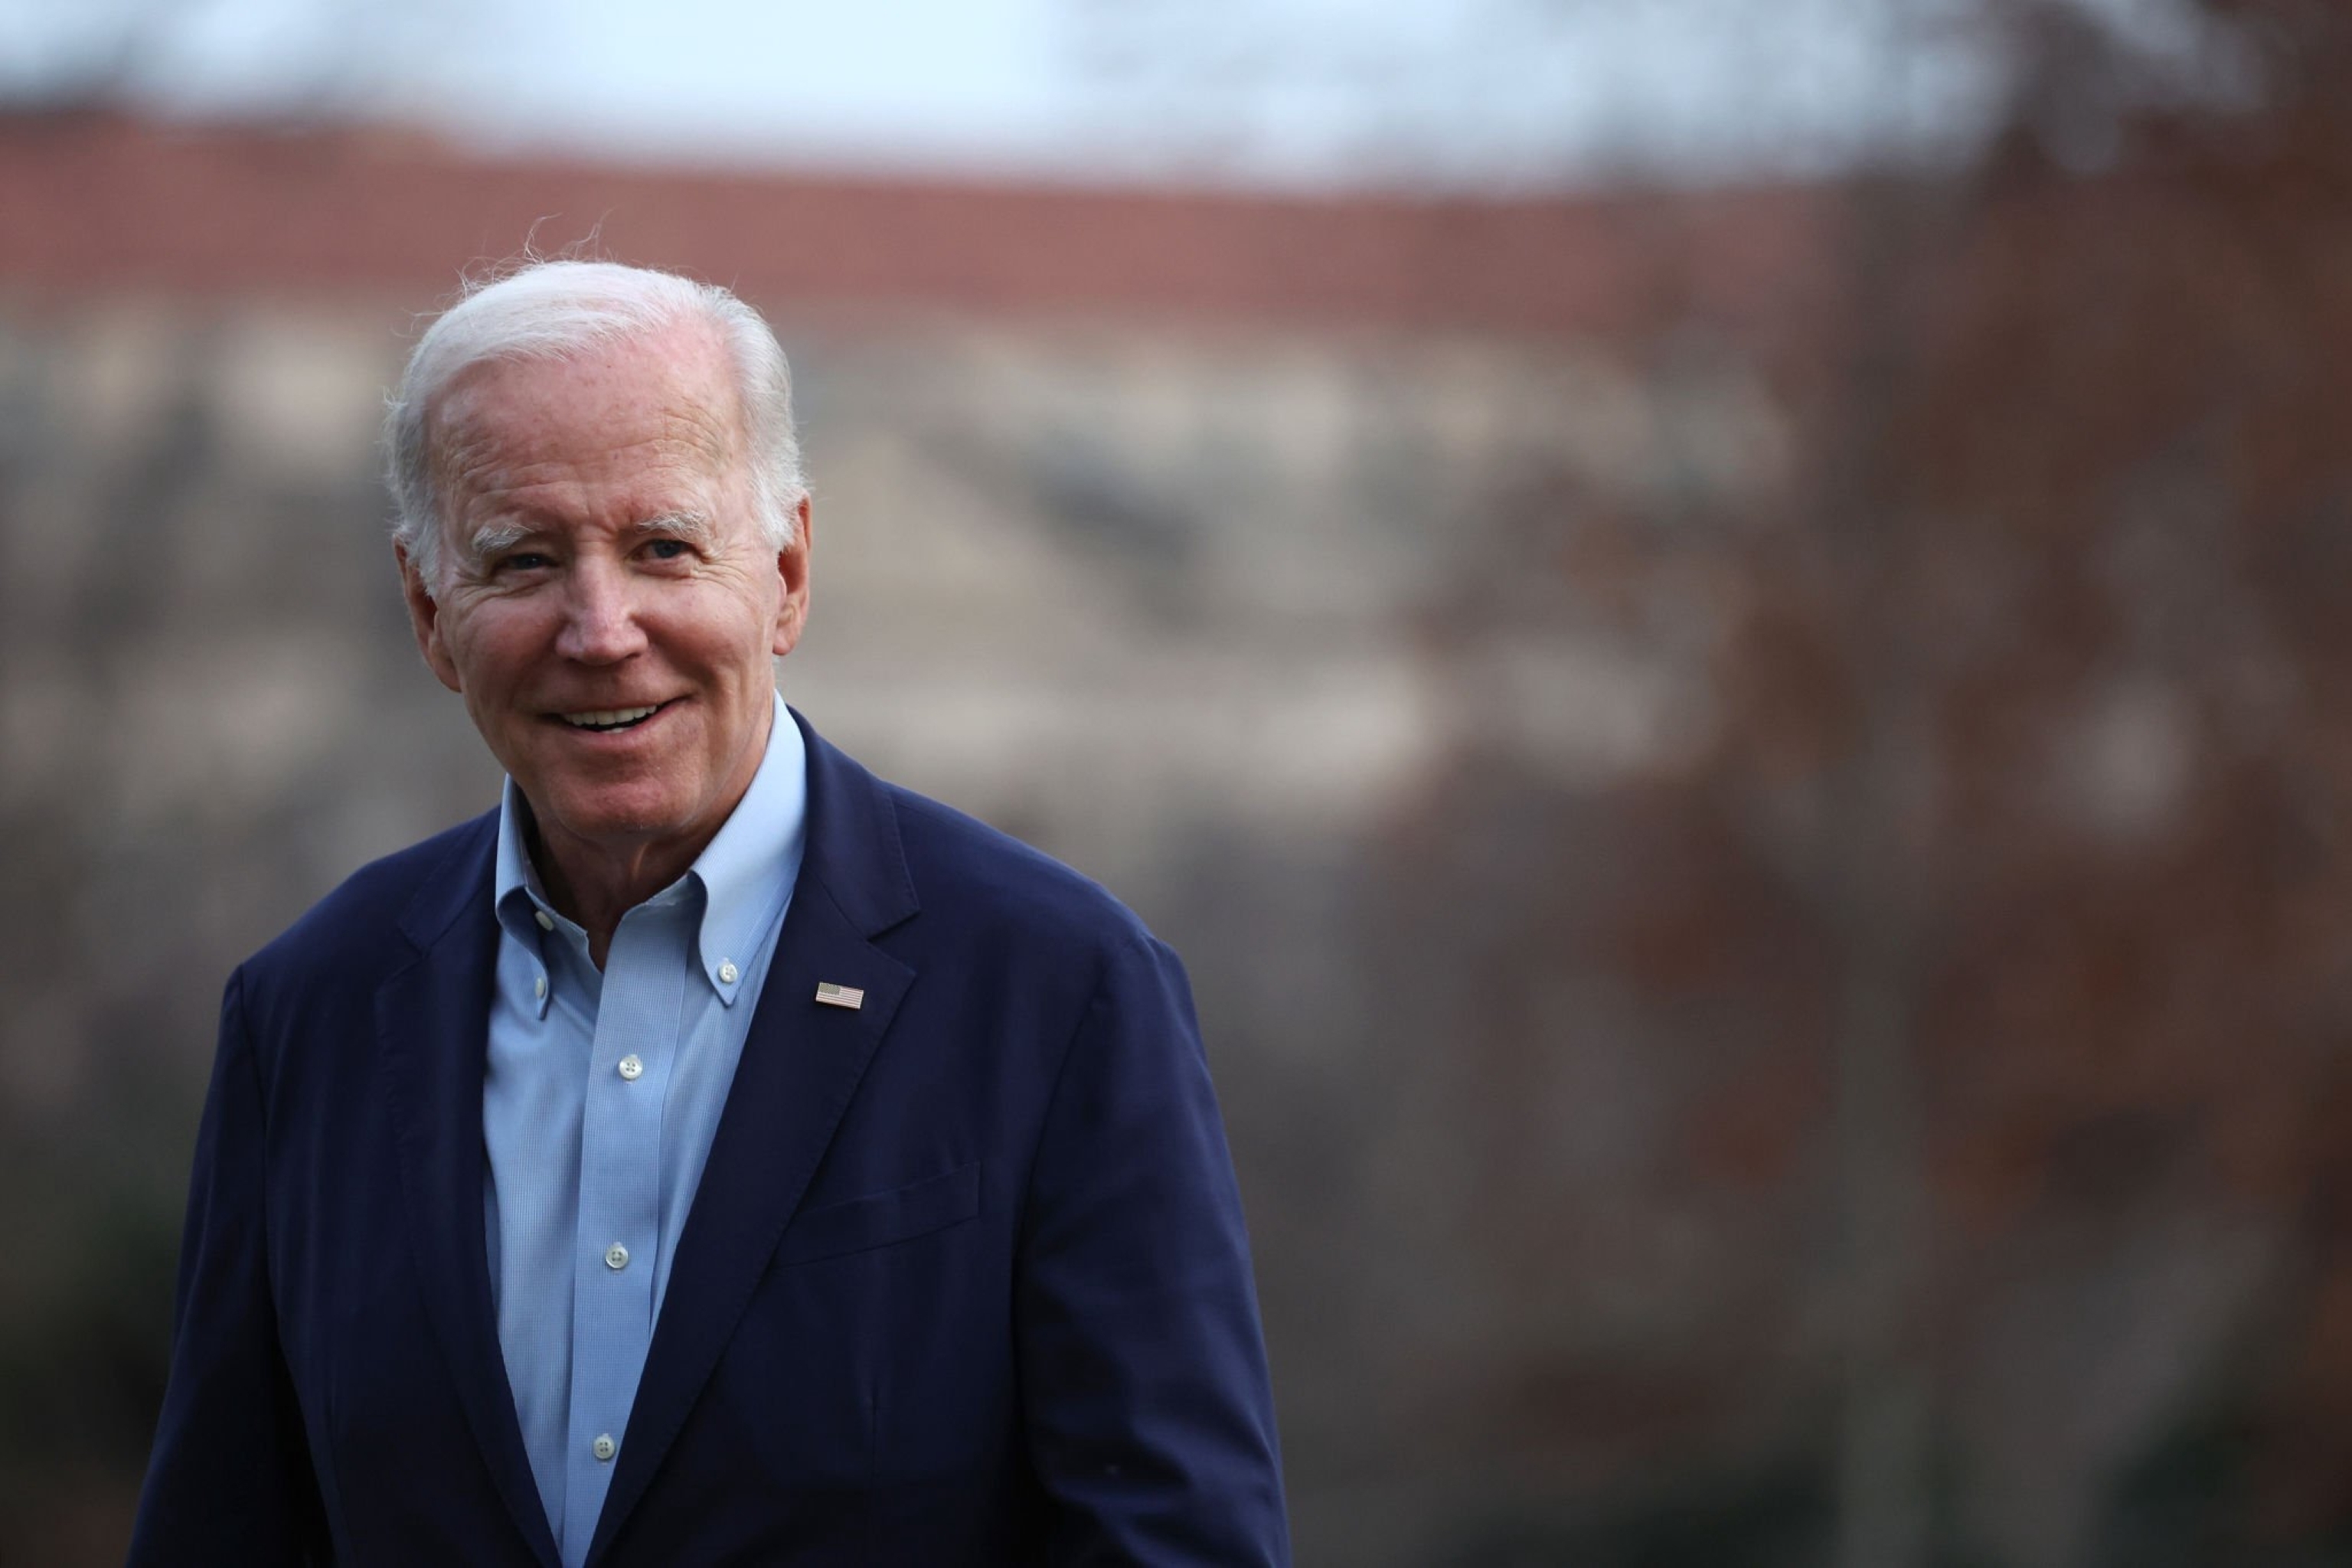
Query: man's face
[608,602]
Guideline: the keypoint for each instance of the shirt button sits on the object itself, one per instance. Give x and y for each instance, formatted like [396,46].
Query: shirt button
[631,1068]
[727,972]
[604,1448]
[546,922]
[616,1256]
[539,987]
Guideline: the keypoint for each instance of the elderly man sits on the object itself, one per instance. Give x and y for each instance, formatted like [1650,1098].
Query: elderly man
[714,1154]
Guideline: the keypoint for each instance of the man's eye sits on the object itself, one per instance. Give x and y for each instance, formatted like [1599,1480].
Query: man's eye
[666,549]
[523,561]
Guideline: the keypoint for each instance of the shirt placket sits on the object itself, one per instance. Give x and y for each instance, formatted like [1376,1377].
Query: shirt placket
[618,1240]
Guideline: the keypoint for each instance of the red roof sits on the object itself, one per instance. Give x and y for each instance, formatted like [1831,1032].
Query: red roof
[99,202]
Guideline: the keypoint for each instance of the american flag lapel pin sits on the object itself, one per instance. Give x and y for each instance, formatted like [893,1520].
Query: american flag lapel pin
[833,995]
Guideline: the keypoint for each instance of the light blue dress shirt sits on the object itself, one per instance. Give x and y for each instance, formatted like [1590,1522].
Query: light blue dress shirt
[602,1094]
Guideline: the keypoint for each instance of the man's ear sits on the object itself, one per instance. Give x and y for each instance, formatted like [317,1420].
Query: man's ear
[425,620]
[793,566]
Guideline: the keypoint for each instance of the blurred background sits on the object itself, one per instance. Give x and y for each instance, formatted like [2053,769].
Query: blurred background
[1719,629]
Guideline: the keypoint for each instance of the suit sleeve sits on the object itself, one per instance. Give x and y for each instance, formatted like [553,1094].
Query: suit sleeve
[1143,1380]
[229,1480]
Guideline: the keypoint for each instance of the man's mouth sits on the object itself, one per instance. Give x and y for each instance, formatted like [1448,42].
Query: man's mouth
[608,718]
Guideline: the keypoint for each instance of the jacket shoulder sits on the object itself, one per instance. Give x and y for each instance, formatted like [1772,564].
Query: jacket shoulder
[989,877]
[356,928]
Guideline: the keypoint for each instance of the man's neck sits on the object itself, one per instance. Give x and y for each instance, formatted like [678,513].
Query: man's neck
[595,888]
[595,881]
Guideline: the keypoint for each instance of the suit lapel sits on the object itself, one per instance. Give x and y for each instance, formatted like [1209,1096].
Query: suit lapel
[433,1021]
[802,1062]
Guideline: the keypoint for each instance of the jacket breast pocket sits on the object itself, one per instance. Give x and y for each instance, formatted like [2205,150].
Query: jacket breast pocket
[883,1219]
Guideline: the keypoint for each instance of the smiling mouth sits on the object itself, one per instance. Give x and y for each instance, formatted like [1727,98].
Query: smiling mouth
[604,720]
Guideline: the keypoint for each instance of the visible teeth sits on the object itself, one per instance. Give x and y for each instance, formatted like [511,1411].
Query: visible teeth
[608,718]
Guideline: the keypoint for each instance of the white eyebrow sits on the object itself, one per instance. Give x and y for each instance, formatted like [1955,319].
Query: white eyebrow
[691,526]
[496,539]
[493,540]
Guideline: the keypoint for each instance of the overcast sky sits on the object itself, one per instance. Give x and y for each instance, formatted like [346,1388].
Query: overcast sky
[1477,93]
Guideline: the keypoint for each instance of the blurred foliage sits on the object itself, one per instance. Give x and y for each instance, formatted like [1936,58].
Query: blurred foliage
[2000,912]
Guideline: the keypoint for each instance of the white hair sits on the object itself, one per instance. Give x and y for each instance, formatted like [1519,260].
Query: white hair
[556,309]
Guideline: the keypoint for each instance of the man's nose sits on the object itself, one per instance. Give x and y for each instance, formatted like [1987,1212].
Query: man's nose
[600,622]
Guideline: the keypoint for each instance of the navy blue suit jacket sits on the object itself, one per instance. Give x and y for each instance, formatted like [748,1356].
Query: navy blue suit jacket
[964,1281]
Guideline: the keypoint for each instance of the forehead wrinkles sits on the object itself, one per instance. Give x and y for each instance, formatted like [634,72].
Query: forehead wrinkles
[630,405]
[479,457]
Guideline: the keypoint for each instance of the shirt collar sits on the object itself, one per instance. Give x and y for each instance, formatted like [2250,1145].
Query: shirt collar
[745,873]
[748,868]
